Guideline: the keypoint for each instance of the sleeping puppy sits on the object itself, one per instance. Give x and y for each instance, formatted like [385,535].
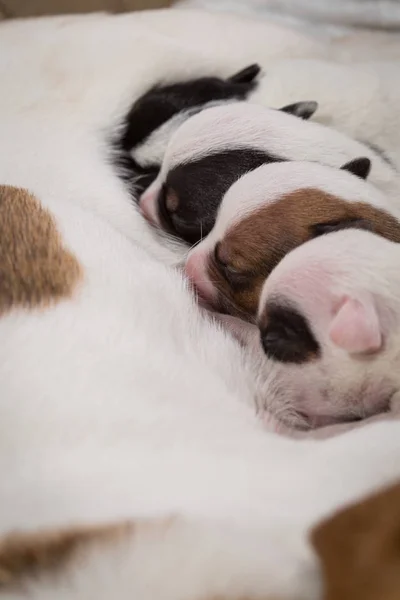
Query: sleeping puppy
[215,148]
[154,117]
[159,112]
[329,315]
[271,211]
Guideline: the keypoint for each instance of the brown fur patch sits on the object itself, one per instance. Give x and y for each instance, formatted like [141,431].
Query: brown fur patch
[359,549]
[35,269]
[256,244]
[31,554]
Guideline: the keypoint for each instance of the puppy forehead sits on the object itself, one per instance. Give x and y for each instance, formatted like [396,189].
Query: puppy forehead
[323,269]
[305,282]
[341,254]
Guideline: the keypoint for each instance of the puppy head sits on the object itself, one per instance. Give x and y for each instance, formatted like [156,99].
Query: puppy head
[159,105]
[271,211]
[329,316]
[209,152]
[161,110]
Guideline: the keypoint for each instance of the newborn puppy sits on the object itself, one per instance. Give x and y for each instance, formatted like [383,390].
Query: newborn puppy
[329,316]
[214,149]
[271,211]
[161,110]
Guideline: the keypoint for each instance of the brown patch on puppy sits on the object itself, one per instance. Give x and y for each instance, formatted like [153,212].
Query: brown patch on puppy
[35,269]
[253,247]
[32,554]
[359,549]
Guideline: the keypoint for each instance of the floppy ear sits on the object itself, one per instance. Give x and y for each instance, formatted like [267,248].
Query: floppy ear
[356,327]
[304,110]
[246,75]
[360,167]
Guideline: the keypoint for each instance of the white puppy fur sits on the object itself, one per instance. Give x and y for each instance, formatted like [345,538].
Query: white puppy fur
[243,125]
[345,285]
[124,401]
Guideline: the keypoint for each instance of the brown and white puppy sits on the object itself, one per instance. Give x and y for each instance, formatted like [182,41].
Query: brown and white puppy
[212,150]
[329,315]
[271,211]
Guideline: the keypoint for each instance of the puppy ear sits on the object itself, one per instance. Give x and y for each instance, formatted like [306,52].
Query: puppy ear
[356,327]
[360,167]
[304,110]
[246,75]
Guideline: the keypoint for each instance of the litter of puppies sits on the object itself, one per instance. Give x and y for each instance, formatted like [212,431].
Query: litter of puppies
[255,190]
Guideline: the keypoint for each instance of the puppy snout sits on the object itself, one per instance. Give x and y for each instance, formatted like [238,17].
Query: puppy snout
[175,218]
[286,335]
[148,205]
[196,272]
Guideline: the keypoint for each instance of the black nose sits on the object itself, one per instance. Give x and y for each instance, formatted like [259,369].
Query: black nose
[286,335]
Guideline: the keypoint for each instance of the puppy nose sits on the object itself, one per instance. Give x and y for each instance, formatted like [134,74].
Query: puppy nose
[286,335]
[196,272]
[148,206]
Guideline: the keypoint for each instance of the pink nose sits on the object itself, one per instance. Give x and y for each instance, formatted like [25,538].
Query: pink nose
[148,206]
[196,271]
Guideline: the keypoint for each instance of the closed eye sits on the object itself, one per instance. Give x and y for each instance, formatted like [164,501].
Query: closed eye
[233,276]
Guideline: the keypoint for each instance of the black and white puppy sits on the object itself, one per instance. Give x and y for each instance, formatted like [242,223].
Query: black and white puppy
[212,150]
[156,115]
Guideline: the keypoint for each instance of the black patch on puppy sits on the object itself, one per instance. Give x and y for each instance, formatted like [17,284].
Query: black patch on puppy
[161,103]
[360,167]
[304,110]
[286,335]
[200,186]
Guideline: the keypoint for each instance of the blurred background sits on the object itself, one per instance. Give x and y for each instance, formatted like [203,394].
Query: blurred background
[27,8]
[335,15]
[332,15]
